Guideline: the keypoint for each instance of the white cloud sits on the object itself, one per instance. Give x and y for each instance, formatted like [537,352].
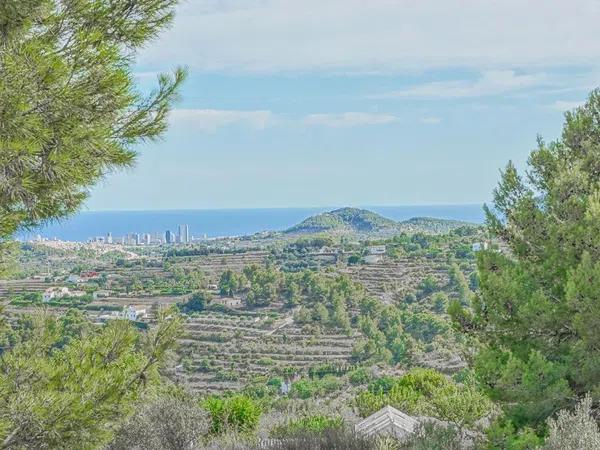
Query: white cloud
[349,119]
[430,120]
[377,35]
[212,119]
[563,105]
[491,82]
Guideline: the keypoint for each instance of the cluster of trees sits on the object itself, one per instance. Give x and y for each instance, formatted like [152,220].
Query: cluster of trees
[455,243]
[263,286]
[426,392]
[66,384]
[396,334]
[538,307]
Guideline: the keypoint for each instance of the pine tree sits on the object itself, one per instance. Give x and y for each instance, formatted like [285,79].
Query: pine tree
[538,308]
[69,109]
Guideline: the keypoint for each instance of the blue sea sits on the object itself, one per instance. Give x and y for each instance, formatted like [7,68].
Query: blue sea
[225,222]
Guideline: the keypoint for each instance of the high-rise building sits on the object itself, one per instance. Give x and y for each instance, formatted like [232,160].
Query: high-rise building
[184,234]
[169,237]
[136,238]
[147,238]
[109,238]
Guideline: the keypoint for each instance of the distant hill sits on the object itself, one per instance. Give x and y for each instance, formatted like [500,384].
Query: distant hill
[432,225]
[356,220]
[345,219]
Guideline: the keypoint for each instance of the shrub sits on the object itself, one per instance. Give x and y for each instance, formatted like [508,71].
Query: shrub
[310,424]
[303,389]
[169,423]
[237,413]
[329,439]
[196,303]
[503,434]
[576,429]
[359,376]
[425,392]
[430,436]
[328,384]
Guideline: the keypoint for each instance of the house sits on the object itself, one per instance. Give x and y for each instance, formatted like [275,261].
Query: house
[387,420]
[230,302]
[372,259]
[100,294]
[478,246]
[134,312]
[89,275]
[60,292]
[377,250]
[73,278]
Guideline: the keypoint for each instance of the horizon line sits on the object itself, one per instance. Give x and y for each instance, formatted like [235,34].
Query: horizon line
[283,207]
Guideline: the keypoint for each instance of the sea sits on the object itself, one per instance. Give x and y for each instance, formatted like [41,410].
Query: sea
[213,223]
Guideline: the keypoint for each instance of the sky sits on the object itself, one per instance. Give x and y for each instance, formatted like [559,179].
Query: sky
[355,102]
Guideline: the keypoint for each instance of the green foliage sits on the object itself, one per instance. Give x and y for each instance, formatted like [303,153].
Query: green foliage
[533,386]
[458,283]
[165,422]
[428,286]
[503,434]
[354,259]
[309,388]
[429,436]
[230,282]
[310,424]
[425,392]
[359,376]
[348,219]
[237,413]
[196,303]
[70,390]
[71,112]
[538,308]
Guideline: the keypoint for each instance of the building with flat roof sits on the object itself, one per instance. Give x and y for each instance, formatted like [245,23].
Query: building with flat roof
[184,234]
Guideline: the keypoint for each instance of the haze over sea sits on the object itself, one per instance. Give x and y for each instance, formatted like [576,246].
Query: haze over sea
[226,222]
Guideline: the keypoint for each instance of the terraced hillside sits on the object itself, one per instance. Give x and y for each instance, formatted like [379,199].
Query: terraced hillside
[214,265]
[222,352]
[393,279]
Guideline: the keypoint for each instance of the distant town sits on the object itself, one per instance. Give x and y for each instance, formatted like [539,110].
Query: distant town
[182,236]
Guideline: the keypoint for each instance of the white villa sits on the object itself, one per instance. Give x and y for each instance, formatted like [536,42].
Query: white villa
[134,312]
[377,250]
[60,292]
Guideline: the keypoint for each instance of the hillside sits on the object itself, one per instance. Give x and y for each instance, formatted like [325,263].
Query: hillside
[355,220]
[345,219]
[432,225]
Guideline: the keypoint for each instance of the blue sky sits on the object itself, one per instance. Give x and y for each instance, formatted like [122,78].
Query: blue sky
[349,102]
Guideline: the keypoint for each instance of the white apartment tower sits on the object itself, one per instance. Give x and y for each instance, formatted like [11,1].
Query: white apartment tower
[184,234]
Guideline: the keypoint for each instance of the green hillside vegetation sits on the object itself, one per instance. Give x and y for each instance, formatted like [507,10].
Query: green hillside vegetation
[363,221]
[432,225]
[345,219]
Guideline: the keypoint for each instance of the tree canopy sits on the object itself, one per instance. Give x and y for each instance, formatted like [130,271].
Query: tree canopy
[70,111]
[538,309]
[65,385]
